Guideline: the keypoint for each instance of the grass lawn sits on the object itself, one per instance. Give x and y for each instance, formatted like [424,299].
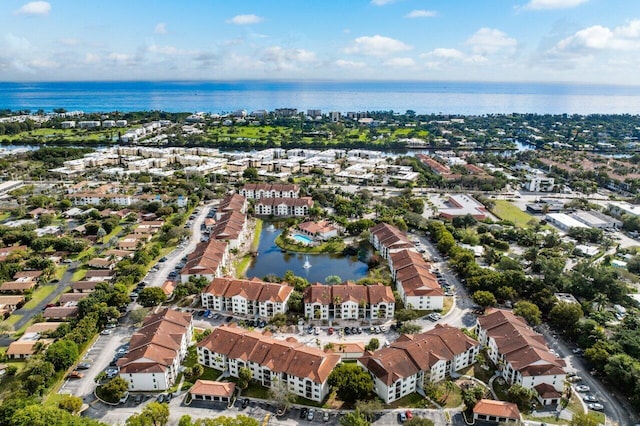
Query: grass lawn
[479,373]
[241,265]
[39,295]
[575,405]
[13,319]
[447,305]
[256,235]
[255,390]
[413,400]
[60,270]
[550,420]
[85,254]
[113,233]
[79,273]
[451,400]
[502,390]
[507,211]
[4,216]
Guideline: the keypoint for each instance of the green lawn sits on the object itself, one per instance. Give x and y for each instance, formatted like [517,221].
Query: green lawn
[255,390]
[256,235]
[39,295]
[4,216]
[60,270]
[412,400]
[328,247]
[113,233]
[13,319]
[45,134]
[506,211]
[241,265]
[79,273]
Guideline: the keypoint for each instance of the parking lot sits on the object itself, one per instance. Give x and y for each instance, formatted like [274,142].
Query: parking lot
[99,356]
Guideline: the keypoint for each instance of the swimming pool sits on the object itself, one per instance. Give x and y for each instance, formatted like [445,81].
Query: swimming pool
[302,238]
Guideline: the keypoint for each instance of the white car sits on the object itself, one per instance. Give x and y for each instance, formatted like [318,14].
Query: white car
[106,331]
[583,388]
[595,406]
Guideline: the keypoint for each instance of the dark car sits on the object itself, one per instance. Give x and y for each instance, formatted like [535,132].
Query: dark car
[137,399]
[200,313]
[245,403]
[228,319]
[160,398]
[83,366]
[303,413]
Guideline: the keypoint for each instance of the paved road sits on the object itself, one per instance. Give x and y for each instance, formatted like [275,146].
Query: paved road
[156,279]
[617,408]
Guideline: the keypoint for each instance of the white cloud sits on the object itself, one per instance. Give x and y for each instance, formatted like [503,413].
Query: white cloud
[400,63]
[447,56]
[382,2]
[92,58]
[68,41]
[161,28]
[376,45]
[43,63]
[421,14]
[119,57]
[166,50]
[343,63]
[285,59]
[596,38]
[553,4]
[489,40]
[245,19]
[35,8]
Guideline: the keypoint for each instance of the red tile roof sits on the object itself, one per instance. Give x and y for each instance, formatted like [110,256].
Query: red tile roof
[503,409]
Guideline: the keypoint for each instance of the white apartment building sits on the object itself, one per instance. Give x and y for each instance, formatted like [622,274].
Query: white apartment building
[246,297]
[273,363]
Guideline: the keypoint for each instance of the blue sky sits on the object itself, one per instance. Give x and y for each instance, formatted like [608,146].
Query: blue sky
[587,41]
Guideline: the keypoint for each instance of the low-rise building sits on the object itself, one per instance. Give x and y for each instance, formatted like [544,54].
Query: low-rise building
[284,207]
[501,412]
[156,351]
[388,239]
[321,230]
[303,370]
[462,205]
[208,390]
[246,297]
[404,366]
[348,301]
[521,352]
[257,191]
[208,260]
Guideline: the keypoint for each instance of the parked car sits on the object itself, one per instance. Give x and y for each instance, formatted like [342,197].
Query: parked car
[325,416]
[83,366]
[164,259]
[409,414]
[303,413]
[137,399]
[403,417]
[160,398]
[245,403]
[376,329]
[228,319]
[595,406]
[583,388]
[106,331]
[589,398]
[311,414]
[330,331]
[75,375]
[316,330]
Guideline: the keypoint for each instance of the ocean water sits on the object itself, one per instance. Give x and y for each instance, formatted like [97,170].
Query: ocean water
[467,98]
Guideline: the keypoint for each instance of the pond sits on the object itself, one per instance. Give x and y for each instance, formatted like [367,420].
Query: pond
[271,260]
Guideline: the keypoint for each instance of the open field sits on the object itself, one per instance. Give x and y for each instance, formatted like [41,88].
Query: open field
[507,211]
[39,295]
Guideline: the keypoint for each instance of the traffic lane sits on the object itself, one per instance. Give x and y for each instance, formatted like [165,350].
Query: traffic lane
[613,407]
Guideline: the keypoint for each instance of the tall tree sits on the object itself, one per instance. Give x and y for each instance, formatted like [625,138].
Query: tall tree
[352,382]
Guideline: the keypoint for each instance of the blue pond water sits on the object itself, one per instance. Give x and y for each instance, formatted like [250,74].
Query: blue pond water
[271,260]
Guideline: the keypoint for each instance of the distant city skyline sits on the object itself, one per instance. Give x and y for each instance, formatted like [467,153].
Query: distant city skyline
[581,41]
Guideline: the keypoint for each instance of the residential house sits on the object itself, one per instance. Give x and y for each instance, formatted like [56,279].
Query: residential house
[102,263]
[100,275]
[521,353]
[322,230]
[246,297]
[348,301]
[231,203]
[9,304]
[5,252]
[388,239]
[404,366]
[25,346]
[156,351]
[61,312]
[303,370]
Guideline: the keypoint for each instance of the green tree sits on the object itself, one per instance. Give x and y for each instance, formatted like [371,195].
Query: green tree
[244,376]
[484,298]
[62,354]
[564,317]
[114,389]
[472,395]
[70,403]
[250,173]
[240,420]
[151,296]
[333,280]
[521,396]
[529,311]
[39,415]
[153,414]
[278,320]
[369,408]
[354,418]
[351,381]
[584,419]
[410,328]
[372,345]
